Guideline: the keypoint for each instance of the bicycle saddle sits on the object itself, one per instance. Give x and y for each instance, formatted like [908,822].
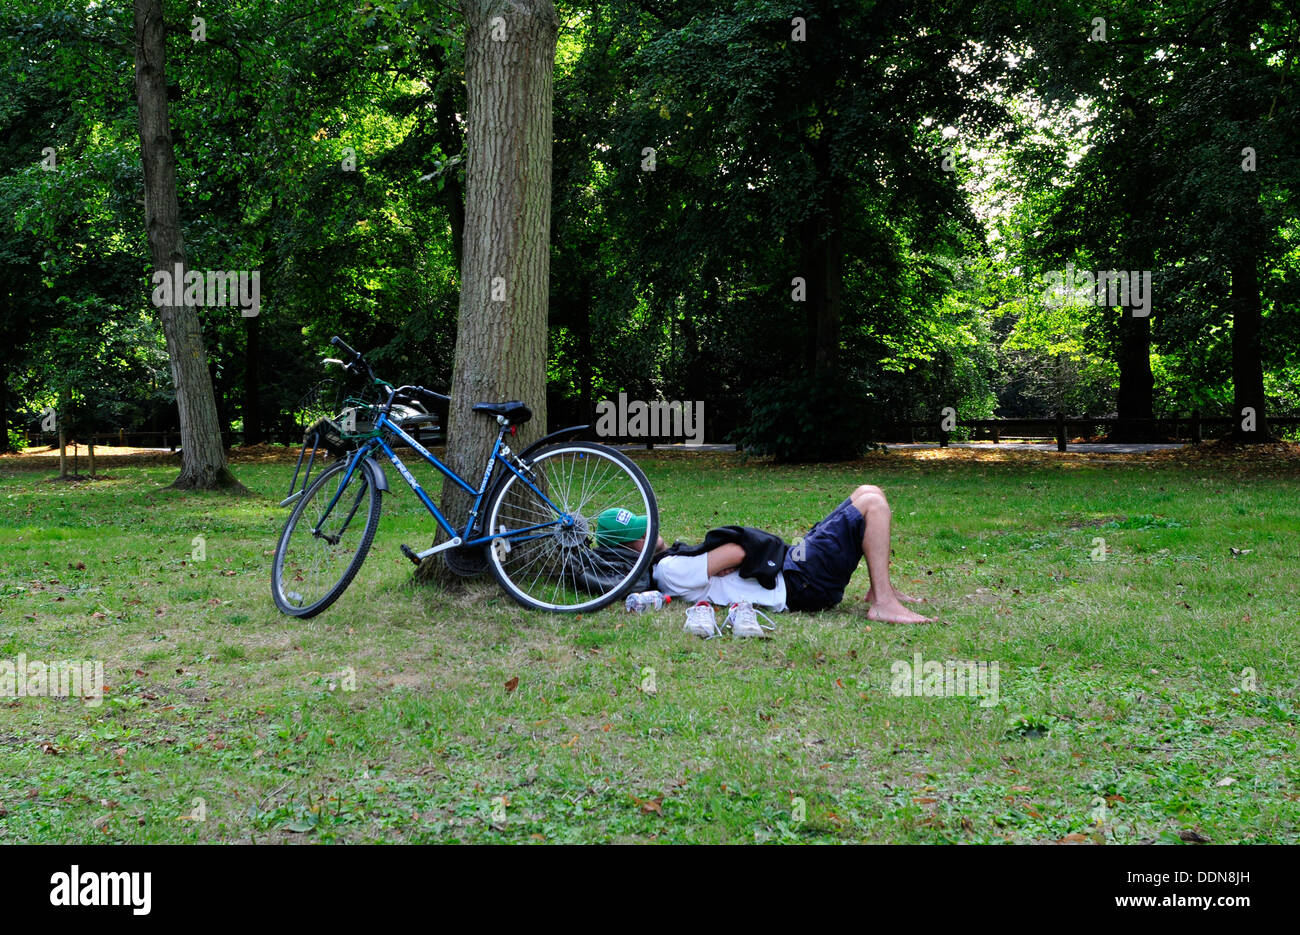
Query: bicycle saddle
[515,412]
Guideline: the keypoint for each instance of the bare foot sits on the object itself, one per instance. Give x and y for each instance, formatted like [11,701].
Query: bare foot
[895,613]
[905,598]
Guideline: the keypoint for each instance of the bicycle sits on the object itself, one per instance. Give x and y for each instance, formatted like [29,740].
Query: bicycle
[536,530]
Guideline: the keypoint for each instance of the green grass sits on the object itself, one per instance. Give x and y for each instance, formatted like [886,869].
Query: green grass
[1122,715]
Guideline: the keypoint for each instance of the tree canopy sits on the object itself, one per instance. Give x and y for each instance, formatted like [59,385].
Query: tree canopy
[819,218]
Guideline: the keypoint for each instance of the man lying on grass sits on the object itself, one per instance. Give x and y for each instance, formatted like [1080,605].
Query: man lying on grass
[739,566]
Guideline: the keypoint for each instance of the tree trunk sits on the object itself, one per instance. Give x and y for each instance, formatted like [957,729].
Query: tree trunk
[203,462]
[501,337]
[5,447]
[252,383]
[1247,359]
[822,253]
[1136,382]
[1249,233]
[90,456]
[1133,402]
[63,451]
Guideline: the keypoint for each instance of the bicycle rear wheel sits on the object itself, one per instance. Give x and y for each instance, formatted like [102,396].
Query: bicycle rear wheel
[544,553]
[324,541]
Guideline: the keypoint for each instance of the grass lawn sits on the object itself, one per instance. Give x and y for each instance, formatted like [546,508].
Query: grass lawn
[1147,696]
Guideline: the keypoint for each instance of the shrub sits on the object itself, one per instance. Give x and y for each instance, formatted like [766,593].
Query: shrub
[805,418]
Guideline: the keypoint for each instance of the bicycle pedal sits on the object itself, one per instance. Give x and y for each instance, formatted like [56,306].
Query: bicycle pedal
[410,553]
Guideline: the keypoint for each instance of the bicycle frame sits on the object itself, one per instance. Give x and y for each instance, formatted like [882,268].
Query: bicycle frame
[465,538]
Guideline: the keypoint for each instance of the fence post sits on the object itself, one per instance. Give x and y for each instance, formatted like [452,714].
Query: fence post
[1060,431]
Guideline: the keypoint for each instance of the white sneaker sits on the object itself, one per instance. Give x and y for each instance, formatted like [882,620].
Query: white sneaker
[701,621]
[742,617]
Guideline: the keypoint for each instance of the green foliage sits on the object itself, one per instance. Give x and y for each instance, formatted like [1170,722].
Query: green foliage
[806,419]
[323,145]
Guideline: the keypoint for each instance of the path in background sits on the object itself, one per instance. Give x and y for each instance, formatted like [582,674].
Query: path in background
[1086,447]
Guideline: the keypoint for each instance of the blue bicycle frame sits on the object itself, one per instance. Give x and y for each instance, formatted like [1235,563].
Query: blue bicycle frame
[465,538]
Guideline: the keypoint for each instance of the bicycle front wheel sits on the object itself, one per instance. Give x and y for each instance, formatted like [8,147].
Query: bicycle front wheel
[544,552]
[325,541]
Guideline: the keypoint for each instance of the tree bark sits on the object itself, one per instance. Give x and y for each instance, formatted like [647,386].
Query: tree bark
[1133,402]
[252,383]
[5,447]
[1247,309]
[822,253]
[1247,358]
[203,462]
[501,337]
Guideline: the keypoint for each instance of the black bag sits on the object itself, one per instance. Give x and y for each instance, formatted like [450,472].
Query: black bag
[599,570]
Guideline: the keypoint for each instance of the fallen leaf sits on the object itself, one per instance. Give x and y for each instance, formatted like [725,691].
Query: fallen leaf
[651,805]
[512,684]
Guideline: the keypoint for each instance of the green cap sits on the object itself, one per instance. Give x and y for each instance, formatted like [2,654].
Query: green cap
[618,527]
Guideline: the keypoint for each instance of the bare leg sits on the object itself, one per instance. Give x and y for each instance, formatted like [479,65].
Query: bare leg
[886,603]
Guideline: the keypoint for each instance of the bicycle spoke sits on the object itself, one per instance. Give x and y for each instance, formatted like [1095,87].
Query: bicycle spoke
[557,567]
[320,547]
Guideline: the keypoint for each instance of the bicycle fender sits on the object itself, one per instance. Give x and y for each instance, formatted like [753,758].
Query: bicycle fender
[563,435]
[375,474]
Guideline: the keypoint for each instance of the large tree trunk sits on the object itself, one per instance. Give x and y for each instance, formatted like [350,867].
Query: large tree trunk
[1247,359]
[501,337]
[822,254]
[1247,310]
[1133,402]
[252,383]
[5,447]
[203,462]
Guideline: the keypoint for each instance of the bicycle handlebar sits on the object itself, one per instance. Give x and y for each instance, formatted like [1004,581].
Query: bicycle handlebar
[420,391]
[358,361]
[343,346]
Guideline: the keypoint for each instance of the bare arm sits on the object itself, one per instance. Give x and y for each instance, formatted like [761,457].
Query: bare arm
[725,559]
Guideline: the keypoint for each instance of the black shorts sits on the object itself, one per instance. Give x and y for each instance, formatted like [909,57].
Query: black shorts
[817,570]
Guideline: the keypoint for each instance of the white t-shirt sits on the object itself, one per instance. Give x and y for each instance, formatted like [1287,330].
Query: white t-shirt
[687,577]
